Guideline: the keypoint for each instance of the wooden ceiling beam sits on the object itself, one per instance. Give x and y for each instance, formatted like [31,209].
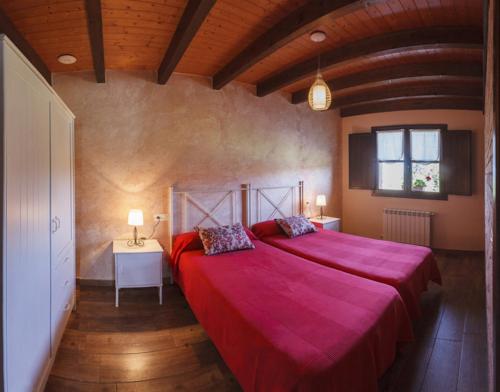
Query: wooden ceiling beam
[411,72]
[8,28]
[414,103]
[194,14]
[398,42]
[438,89]
[94,23]
[286,30]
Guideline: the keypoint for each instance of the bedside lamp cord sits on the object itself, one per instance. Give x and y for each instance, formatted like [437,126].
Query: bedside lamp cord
[152,232]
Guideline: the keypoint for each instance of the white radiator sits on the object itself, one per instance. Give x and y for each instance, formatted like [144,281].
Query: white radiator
[410,227]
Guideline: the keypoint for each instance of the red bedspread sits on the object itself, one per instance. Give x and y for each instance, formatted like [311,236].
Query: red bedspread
[282,324]
[408,268]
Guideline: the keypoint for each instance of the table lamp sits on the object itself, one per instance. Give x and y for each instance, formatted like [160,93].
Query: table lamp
[321,202]
[135,218]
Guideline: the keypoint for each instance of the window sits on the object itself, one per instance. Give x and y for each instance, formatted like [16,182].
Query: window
[417,161]
[409,161]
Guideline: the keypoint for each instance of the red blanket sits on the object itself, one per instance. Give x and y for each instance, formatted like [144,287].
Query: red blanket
[408,268]
[282,324]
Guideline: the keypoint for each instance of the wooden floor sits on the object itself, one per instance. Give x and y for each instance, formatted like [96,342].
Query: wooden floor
[142,346]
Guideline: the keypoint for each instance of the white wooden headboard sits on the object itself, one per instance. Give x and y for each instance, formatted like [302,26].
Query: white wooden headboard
[201,207]
[271,202]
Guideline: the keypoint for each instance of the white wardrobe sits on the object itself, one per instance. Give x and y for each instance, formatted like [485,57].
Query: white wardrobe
[38,230]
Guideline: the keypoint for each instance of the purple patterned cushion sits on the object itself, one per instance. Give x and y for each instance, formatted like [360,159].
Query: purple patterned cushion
[296,225]
[224,239]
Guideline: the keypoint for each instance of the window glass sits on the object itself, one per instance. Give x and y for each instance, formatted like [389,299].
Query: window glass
[390,146]
[391,176]
[425,155]
[425,177]
[424,145]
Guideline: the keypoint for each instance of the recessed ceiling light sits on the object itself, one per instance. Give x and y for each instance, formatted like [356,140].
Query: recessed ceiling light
[317,36]
[66,59]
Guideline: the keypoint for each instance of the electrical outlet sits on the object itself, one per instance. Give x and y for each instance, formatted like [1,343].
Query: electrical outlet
[160,217]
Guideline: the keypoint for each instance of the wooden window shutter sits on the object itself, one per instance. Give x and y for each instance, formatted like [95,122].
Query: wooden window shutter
[362,161]
[457,162]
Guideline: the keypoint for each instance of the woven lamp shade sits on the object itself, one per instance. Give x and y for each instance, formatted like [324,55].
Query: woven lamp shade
[320,96]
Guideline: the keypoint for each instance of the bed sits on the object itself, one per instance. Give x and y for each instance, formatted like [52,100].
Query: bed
[408,268]
[282,323]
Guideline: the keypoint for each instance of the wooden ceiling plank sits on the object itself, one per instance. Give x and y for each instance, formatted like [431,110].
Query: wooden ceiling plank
[449,9]
[138,6]
[94,21]
[436,89]
[8,28]
[403,71]
[353,26]
[43,9]
[286,30]
[435,17]
[378,18]
[412,11]
[364,19]
[414,103]
[193,16]
[392,20]
[399,42]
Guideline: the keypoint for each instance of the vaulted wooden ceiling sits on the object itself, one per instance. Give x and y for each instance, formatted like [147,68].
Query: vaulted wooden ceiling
[378,55]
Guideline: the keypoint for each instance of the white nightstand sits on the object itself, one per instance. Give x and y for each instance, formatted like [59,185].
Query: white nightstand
[138,266]
[327,223]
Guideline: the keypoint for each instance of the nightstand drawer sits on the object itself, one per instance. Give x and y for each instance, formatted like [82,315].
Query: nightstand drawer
[332,226]
[138,270]
[326,223]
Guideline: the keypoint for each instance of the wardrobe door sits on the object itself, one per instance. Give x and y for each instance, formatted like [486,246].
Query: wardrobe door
[63,255]
[61,130]
[26,273]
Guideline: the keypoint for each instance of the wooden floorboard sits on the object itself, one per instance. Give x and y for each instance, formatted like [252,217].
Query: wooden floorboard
[142,346]
[444,364]
[449,353]
[473,365]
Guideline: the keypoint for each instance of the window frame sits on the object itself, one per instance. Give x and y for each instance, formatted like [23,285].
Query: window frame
[407,191]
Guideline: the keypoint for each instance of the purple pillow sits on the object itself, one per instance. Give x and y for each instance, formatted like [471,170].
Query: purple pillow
[296,225]
[223,239]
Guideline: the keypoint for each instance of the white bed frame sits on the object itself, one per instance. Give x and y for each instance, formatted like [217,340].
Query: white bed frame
[284,201]
[269,202]
[247,205]
[180,202]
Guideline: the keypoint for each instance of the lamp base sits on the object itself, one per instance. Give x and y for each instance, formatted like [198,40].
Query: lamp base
[136,241]
[132,243]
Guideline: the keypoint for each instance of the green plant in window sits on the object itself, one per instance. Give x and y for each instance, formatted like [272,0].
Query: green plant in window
[419,184]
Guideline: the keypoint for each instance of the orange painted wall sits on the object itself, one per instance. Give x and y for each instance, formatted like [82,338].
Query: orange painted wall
[459,221]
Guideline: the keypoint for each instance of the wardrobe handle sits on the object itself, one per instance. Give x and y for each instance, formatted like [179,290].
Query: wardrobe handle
[53,223]
[58,223]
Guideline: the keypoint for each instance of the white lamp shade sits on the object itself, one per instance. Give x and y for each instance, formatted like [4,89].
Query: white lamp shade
[135,218]
[321,200]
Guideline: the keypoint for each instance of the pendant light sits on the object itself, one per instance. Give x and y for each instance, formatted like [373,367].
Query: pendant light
[320,96]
